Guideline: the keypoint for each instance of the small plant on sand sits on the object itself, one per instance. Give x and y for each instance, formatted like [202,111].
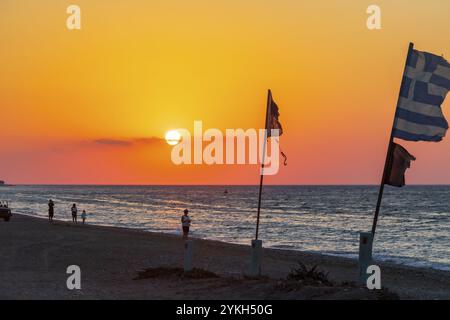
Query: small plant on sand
[166,272]
[308,276]
[386,294]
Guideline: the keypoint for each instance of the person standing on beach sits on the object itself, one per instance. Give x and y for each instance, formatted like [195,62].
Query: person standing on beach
[74,213]
[50,210]
[83,215]
[185,223]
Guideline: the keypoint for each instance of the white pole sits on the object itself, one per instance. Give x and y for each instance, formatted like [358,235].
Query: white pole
[365,255]
[255,267]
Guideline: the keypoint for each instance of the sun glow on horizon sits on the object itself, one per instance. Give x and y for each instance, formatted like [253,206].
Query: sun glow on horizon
[173,137]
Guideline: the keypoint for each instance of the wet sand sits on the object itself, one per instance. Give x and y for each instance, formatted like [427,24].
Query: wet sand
[35,254]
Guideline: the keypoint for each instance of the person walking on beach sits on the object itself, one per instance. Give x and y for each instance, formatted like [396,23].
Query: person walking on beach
[185,223]
[74,213]
[83,215]
[51,206]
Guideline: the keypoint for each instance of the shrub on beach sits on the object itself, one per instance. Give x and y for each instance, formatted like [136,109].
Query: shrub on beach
[165,272]
[309,276]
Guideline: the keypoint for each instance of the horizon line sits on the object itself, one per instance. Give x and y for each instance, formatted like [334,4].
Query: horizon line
[189,185]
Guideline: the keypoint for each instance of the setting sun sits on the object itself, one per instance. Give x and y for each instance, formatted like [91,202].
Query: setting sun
[173,137]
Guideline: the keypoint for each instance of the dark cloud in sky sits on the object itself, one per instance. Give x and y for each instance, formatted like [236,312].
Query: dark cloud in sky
[127,142]
[112,142]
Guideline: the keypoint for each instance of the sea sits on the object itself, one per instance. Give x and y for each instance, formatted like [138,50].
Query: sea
[413,228]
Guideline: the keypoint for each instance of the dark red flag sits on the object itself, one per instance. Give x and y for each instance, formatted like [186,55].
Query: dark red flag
[273,122]
[400,160]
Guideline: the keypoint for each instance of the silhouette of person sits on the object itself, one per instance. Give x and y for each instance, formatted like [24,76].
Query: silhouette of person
[185,223]
[51,211]
[83,215]
[74,213]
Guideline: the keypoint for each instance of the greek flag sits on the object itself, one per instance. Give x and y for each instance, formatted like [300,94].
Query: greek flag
[424,87]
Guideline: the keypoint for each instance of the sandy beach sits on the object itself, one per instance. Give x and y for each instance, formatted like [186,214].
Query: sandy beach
[35,255]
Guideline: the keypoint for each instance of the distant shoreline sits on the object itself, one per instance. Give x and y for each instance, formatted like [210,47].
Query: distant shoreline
[216,185]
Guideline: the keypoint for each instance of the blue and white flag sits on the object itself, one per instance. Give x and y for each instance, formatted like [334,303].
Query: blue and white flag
[425,85]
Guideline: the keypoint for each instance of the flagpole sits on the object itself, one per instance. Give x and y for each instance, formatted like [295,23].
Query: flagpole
[389,150]
[269,98]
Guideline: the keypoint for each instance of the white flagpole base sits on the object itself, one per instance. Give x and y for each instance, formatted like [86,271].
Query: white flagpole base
[188,255]
[255,267]
[365,255]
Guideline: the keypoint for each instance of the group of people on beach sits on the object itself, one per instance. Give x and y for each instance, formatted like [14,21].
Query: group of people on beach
[185,219]
[73,209]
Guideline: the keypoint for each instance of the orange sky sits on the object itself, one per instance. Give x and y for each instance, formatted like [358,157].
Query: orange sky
[139,68]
